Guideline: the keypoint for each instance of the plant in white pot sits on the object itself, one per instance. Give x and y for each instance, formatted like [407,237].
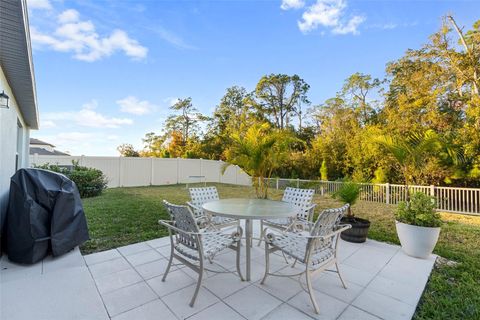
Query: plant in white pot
[418,225]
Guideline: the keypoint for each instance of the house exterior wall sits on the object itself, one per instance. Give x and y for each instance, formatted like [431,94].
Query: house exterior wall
[13,139]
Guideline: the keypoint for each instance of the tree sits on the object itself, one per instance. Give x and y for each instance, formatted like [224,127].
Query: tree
[356,89]
[187,121]
[233,108]
[279,96]
[259,151]
[412,151]
[324,171]
[127,150]
[153,145]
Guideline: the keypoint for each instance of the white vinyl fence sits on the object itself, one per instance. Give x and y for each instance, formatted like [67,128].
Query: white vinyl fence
[449,199]
[132,172]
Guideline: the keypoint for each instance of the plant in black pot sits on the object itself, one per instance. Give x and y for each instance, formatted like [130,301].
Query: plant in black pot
[349,193]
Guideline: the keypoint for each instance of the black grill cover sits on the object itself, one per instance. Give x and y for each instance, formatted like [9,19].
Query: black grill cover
[44,212]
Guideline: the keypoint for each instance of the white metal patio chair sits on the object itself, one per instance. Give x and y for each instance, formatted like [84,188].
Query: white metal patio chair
[301,198]
[316,249]
[199,196]
[191,246]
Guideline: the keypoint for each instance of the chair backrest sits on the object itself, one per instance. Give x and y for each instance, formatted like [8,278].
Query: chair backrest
[199,196]
[184,220]
[328,220]
[302,198]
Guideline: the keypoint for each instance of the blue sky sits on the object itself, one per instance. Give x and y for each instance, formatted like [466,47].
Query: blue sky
[108,70]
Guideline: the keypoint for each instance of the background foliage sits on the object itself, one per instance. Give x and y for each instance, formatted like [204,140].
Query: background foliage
[432,91]
[90,181]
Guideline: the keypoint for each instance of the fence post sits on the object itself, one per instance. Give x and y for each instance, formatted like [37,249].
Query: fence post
[387,193]
[277,183]
[432,190]
[298,183]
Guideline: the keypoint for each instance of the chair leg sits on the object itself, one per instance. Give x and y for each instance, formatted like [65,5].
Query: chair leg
[267,263]
[262,233]
[199,284]
[285,258]
[294,263]
[310,290]
[238,260]
[168,266]
[340,275]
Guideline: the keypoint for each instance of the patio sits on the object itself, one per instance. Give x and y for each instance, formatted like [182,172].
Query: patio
[125,283]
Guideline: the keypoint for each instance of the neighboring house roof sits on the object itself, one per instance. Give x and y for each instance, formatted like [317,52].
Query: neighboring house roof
[45,152]
[16,57]
[37,141]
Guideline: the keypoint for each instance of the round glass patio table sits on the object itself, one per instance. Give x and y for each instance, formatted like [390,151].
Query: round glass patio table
[250,209]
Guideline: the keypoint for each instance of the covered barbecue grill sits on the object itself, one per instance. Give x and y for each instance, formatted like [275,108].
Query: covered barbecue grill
[44,214]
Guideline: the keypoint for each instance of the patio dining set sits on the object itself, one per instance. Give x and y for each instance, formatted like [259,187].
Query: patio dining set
[208,225]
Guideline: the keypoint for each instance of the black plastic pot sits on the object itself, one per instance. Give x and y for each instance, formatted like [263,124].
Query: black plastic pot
[359,231]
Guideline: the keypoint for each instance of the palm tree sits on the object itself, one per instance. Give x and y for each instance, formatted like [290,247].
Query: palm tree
[411,152]
[259,151]
[348,192]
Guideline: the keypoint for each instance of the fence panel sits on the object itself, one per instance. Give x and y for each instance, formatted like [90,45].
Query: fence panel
[164,171]
[449,199]
[130,172]
[110,166]
[160,171]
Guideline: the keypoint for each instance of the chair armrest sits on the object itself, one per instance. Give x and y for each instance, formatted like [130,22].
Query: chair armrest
[296,235]
[169,225]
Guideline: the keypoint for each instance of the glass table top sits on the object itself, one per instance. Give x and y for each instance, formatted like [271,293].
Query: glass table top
[250,208]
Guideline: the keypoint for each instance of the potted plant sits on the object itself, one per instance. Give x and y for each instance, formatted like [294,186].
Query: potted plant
[349,193]
[418,225]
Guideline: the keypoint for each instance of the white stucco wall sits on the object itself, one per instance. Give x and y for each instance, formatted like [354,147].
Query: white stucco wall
[8,143]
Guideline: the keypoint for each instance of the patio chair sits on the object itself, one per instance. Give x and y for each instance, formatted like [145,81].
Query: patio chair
[191,246]
[198,197]
[301,198]
[315,249]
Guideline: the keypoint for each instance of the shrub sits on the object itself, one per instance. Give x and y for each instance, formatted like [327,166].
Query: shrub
[348,192]
[419,211]
[90,181]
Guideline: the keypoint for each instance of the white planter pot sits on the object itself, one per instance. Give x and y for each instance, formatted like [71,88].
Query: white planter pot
[417,241]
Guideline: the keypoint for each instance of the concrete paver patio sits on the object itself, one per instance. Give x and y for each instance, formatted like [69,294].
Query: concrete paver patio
[125,283]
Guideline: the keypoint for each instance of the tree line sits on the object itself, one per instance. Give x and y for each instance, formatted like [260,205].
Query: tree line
[430,91]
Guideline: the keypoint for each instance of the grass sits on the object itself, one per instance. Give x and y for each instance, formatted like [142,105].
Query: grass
[127,215]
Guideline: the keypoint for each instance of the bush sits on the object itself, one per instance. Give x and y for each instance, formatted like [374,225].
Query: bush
[90,181]
[419,211]
[348,192]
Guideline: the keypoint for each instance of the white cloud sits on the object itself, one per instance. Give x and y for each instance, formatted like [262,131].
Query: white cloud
[80,37]
[39,4]
[69,15]
[292,4]
[350,27]
[112,137]
[47,124]
[88,117]
[329,14]
[172,38]
[133,105]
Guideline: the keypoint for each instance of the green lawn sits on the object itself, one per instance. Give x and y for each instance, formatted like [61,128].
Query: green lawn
[127,215]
